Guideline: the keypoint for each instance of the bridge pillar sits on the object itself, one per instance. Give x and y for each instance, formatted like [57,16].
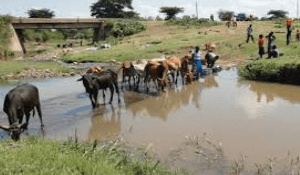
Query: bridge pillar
[99,33]
[21,39]
[15,44]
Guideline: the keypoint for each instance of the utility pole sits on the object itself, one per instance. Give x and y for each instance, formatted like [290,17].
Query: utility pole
[197,9]
[297,9]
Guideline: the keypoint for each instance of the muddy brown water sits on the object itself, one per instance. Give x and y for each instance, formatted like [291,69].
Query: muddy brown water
[248,118]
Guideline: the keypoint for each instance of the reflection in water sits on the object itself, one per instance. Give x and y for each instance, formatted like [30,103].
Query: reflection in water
[171,100]
[272,90]
[106,123]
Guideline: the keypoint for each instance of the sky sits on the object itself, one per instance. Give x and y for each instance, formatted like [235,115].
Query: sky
[146,8]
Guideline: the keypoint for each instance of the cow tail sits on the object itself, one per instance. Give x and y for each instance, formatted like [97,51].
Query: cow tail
[33,112]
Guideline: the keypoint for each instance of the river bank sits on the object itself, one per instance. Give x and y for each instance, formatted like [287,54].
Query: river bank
[282,70]
[38,156]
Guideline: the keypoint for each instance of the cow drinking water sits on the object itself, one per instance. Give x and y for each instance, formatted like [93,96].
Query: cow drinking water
[18,102]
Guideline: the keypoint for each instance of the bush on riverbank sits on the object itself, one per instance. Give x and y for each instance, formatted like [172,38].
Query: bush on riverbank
[5,34]
[285,70]
[35,156]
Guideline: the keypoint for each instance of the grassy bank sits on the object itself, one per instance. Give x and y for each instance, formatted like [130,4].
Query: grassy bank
[284,69]
[36,156]
[15,67]
[159,38]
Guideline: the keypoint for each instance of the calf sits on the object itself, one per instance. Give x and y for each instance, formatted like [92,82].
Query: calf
[234,24]
[19,101]
[130,72]
[103,80]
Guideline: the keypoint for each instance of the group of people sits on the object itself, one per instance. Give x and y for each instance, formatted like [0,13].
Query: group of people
[272,49]
[209,60]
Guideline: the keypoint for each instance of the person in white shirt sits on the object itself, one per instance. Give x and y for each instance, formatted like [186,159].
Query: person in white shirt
[196,55]
[249,33]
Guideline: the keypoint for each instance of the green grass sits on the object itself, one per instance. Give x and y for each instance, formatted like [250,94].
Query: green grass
[5,34]
[14,67]
[133,47]
[37,156]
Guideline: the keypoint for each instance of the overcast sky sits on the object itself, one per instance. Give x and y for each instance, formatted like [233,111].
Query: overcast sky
[81,8]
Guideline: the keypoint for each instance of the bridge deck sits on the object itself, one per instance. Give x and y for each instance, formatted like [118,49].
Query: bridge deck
[58,23]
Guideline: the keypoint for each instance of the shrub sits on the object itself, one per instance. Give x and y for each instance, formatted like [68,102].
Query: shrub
[286,70]
[188,21]
[127,27]
[5,34]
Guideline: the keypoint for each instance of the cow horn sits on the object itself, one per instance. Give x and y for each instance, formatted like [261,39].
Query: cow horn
[5,128]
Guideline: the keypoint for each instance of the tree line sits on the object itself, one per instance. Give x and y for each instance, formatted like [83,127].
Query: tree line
[224,15]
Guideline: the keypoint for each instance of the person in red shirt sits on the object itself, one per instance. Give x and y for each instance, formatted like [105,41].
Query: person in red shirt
[261,45]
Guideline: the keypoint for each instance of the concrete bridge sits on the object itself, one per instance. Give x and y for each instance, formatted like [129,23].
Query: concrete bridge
[18,24]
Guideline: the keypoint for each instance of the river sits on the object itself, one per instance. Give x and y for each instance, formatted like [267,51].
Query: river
[231,118]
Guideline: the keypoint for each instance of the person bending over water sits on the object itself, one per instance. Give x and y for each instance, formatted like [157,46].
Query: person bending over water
[271,38]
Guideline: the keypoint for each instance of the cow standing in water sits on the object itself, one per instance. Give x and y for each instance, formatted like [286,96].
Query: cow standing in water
[158,72]
[18,102]
[102,80]
[130,72]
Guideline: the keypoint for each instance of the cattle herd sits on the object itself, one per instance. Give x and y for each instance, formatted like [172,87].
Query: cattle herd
[24,99]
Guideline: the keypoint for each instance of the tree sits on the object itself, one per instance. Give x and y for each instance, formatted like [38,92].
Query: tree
[171,12]
[111,8]
[158,18]
[131,14]
[225,15]
[40,13]
[277,14]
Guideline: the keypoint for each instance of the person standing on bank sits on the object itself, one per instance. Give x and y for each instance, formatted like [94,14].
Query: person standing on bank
[249,33]
[270,37]
[261,45]
[289,24]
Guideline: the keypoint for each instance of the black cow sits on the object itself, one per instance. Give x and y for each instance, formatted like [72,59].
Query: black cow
[19,101]
[103,80]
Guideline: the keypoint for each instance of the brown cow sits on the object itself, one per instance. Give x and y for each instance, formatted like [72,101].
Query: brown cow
[174,65]
[234,24]
[210,46]
[228,23]
[186,69]
[158,72]
[94,69]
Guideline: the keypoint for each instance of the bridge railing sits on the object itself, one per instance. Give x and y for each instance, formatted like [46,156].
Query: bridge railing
[57,20]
